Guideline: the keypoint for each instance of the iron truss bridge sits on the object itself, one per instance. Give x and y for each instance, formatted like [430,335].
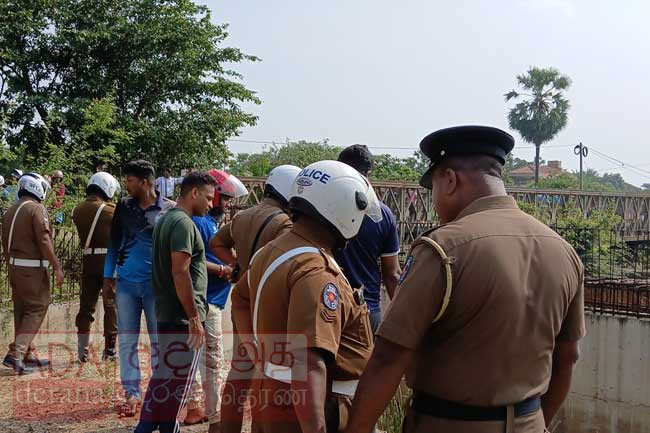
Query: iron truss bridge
[413,205]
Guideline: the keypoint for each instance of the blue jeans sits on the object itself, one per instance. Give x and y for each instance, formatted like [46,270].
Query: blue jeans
[130,300]
[375,320]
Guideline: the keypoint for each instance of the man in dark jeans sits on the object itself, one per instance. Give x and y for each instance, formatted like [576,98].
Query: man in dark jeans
[180,281]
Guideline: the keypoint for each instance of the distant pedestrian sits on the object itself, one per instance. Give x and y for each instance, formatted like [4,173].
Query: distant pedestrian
[166,185]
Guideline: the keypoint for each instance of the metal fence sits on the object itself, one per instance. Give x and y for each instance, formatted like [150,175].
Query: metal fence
[617,269]
[617,265]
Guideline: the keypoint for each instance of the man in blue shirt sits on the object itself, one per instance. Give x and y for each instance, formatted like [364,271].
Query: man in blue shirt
[375,243]
[129,260]
[211,366]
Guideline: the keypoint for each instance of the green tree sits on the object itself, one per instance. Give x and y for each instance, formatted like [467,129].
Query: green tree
[148,77]
[388,167]
[543,110]
[300,153]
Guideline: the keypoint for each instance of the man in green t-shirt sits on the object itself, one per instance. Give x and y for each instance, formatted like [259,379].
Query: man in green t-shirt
[179,281]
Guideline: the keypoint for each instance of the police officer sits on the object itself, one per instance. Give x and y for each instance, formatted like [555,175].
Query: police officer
[10,191]
[252,228]
[28,250]
[235,243]
[301,301]
[489,311]
[93,218]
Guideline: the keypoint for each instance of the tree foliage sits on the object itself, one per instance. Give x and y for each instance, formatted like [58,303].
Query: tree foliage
[543,108]
[146,78]
[302,153]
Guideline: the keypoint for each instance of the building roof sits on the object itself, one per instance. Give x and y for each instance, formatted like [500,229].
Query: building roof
[528,171]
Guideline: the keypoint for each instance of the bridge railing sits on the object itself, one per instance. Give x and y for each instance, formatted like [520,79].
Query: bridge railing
[616,259]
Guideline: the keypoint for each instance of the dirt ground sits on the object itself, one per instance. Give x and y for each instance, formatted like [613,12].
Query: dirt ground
[68,397]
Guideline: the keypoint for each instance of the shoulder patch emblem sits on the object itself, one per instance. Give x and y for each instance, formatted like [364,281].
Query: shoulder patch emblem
[331,296]
[45,216]
[407,267]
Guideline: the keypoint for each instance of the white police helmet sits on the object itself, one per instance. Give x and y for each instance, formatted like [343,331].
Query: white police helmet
[280,181]
[336,193]
[106,183]
[35,184]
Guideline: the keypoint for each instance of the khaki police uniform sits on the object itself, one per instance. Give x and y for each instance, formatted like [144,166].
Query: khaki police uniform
[263,222]
[28,270]
[96,215]
[240,233]
[517,287]
[307,300]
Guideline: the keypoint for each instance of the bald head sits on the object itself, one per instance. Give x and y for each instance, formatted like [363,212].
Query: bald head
[459,180]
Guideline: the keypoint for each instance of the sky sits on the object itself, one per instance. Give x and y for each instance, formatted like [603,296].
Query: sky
[387,73]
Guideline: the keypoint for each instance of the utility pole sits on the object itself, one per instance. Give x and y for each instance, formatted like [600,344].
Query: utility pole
[582,152]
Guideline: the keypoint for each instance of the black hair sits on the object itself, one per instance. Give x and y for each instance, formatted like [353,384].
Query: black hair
[141,169]
[196,179]
[96,190]
[271,192]
[23,192]
[358,157]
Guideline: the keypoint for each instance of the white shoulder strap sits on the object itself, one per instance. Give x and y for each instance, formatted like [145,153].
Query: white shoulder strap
[92,227]
[11,228]
[267,273]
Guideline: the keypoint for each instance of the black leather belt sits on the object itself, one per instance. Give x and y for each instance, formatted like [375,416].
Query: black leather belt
[433,406]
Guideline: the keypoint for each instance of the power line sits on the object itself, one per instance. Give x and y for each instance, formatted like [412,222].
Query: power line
[380,147]
[634,169]
[630,168]
[622,163]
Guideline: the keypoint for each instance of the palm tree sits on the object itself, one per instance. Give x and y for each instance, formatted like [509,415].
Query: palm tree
[543,110]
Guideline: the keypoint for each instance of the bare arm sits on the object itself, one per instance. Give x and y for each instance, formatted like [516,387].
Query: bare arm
[224,252]
[565,356]
[310,394]
[390,273]
[221,271]
[388,361]
[183,283]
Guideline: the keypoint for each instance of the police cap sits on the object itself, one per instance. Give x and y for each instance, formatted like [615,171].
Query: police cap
[464,140]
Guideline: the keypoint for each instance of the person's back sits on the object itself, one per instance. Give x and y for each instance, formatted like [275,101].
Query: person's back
[376,242]
[252,228]
[25,242]
[516,298]
[359,260]
[83,216]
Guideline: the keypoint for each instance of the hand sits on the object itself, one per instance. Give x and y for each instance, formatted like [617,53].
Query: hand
[107,286]
[197,334]
[226,272]
[58,277]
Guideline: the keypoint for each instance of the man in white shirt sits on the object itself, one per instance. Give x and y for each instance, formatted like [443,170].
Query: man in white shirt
[166,184]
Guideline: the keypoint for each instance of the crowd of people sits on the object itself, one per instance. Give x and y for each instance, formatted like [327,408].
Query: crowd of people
[484,318]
